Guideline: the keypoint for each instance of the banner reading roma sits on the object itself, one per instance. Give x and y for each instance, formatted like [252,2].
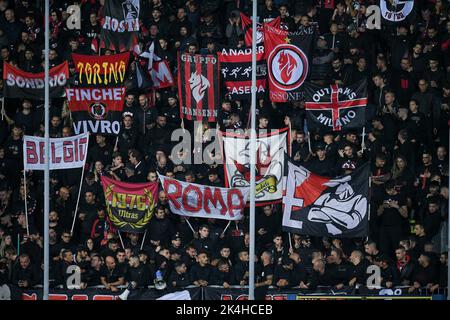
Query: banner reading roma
[21,84]
[236,69]
[198,87]
[271,149]
[101,70]
[120,25]
[287,60]
[129,205]
[199,201]
[65,153]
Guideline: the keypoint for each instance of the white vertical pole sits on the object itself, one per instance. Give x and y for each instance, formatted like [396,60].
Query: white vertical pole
[251,286]
[25,196]
[78,201]
[448,233]
[47,152]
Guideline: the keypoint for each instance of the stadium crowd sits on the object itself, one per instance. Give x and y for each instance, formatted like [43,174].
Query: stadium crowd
[406,140]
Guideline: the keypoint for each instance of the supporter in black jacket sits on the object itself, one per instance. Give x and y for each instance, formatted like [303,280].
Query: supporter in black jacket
[223,275]
[160,228]
[25,275]
[179,278]
[201,273]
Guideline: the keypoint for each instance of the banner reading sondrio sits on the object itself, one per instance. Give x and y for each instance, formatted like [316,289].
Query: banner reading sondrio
[21,84]
[199,201]
[65,153]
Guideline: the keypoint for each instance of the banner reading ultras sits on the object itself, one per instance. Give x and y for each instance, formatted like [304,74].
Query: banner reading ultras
[101,70]
[199,201]
[120,25]
[65,153]
[129,205]
[21,84]
[198,86]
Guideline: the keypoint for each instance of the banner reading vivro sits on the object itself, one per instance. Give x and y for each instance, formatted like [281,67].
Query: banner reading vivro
[129,205]
[65,153]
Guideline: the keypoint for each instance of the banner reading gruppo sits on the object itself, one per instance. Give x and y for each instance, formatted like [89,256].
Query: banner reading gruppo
[65,153]
[199,201]
[129,205]
[21,84]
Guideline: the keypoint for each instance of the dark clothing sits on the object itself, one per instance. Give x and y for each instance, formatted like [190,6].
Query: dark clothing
[205,273]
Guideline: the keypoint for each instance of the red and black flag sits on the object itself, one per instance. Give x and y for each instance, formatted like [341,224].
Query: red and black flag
[336,107]
[246,23]
[326,207]
[120,25]
[198,86]
[287,56]
[236,70]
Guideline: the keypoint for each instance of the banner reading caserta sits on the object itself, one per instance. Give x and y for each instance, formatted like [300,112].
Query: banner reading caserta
[271,149]
[101,70]
[120,25]
[319,206]
[236,70]
[198,86]
[21,84]
[129,205]
[199,201]
[65,153]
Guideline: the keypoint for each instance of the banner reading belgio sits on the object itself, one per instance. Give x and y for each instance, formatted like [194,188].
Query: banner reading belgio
[129,205]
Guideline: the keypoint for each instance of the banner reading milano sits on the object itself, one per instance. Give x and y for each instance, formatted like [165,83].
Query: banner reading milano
[198,86]
[129,205]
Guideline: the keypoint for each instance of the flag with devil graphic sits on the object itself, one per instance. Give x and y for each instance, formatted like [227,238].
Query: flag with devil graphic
[270,162]
[287,55]
[320,206]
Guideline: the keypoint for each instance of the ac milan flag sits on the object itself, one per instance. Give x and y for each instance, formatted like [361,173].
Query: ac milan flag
[271,148]
[287,61]
[336,107]
[120,25]
[246,23]
[199,201]
[130,206]
[236,70]
[198,86]
[322,207]
[21,84]
[158,74]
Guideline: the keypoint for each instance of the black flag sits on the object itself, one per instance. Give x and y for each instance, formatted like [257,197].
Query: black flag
[320,206]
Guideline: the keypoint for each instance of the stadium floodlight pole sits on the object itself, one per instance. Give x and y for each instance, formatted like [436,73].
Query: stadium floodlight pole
[448,227]
[47,153]
[251,282]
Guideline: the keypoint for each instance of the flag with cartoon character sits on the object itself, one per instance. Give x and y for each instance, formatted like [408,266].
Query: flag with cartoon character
[320,206]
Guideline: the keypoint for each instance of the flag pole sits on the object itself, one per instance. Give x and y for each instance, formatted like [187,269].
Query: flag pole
[47,153]
[143,239]
[251,287]
[78,201]
[25,199]
[448,234]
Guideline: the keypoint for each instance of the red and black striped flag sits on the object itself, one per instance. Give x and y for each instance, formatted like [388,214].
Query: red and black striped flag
[246,23]
[198,86]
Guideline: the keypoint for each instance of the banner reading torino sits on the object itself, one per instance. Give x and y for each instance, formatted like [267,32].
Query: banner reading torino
[130,205]
[199,201]
[101,70]
[65,153]
[21,84]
